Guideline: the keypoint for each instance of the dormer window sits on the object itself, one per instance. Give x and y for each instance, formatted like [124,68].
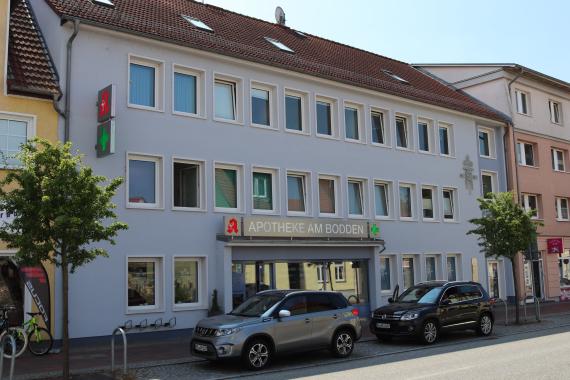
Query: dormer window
[107,3]
[279,45]
[197,23]
[394,76]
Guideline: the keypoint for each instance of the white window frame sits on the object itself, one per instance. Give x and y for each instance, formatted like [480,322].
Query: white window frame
[30,121]
[385,114]
[159,80]
[437,268]
[305,125]
[360,120]
[272,93]
[240,186]
[522,154]
[430,133]
[203,292]
[274,190]
[450,139]
[559,217]
[491,140]
[333,102]
[201,186]
[306,189]
[413,201]
[393,273]
[158,183]
[494,180]
[337,270]
[555,111]
[320,272]
[519,102]
[337,195]
[159,292]
[433,201]
[526,204]
[363,196]
[237,82]
[389,196]
[200,75]
[454,204]
[458,272]
[409,132]
[556,161]
[415,270]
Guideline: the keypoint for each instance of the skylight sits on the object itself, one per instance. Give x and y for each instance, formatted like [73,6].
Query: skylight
[398,78]
[279,45]
[300,34]
[107,3]
[197,23]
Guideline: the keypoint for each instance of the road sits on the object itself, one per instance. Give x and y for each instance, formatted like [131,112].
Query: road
[524,353]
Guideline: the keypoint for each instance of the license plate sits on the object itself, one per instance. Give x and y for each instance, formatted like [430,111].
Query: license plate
[383,325]
[200,347]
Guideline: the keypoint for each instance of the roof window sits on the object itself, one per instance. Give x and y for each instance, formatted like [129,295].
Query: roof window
[197,23]
[107,3]
[394,76]
[279,45]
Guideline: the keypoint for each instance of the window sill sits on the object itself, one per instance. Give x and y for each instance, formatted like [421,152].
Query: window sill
[353,141]
[427,152]
[188,209]
[326,137]
[227,210]
[356,216]
[335,216]
[295,132]
[264,127]
[189,307]
[524,114]
[562,220]
[404,149]
[192,115]
[145,311]
[560,171]
[381,145]
[529,166]
[143,206]
[447,156]
[228,121]
[488,157]
[408,219]
[264,212]
[145,108]
[450,221]
[298,214]
[387,217]
[430,220]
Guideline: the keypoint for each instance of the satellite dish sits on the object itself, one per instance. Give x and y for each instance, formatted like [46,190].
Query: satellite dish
[279,16]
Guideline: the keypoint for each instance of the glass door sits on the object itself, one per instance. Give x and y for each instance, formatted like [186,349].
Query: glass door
[493,272]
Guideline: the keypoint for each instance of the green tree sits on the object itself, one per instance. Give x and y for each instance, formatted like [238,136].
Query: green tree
[504,229]
[59,209]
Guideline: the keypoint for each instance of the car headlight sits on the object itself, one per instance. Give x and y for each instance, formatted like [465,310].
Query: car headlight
[224,332]
[410,315]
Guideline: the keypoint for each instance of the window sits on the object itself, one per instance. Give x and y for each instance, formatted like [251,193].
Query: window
[339,272]
[486,143]
[493,279]
[522,102]
[263,185]
[187,184]
[320,272]
[558,163]
[564,265]
[13,134]
[562,209]
[425,136]
[402,132]
[197,23]
[488,183]
[227,187]
[261,106]
[225,100]
[427,203]
[430,268]
[406,201]
[385,273]
[530,203]
[382,206]
[324,118]
[185,93]
[296,193]
[445,137]
[355,198]
[323,302]
[327,195]
[451,268]
[294,109]
[279,45]
[525,153]
[408,271]
[555,108]
[449,204]
[188,281]
[144,181]
[396,77]
[107,3]
[352,123]
[297,305]
[144,287]
[378,133]
[144,83]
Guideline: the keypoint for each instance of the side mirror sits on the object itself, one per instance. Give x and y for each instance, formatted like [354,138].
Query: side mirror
[445,302]
[284,313]
[390,300]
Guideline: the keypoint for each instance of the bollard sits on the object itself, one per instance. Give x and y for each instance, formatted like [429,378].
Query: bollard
[122,332]
[12,359]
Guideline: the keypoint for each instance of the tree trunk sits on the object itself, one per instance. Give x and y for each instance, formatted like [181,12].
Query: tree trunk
[514,265]
[65,326]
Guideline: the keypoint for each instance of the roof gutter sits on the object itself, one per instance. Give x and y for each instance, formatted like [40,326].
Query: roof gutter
[68,81]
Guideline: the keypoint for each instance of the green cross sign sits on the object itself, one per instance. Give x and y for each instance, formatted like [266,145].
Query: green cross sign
[374,230]
[105,138]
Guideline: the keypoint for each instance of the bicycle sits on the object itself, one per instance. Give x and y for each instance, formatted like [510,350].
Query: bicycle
[30,335]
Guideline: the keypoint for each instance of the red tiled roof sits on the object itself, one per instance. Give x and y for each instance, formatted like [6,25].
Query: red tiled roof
[30,69]
[243,37]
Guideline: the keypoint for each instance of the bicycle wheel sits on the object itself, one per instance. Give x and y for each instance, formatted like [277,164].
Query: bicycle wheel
[39,341]
[21,339]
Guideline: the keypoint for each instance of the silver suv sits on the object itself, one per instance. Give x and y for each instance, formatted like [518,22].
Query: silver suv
[277,321]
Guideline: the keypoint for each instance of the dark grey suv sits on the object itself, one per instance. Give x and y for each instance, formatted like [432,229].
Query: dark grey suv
[277,321]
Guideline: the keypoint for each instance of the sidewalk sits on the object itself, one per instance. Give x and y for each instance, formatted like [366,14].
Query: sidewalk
[93,355]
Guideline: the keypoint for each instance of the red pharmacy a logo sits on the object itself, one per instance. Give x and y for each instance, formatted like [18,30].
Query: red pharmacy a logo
[233,226]
[104,104]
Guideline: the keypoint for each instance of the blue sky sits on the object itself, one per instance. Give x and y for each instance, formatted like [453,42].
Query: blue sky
[532,33]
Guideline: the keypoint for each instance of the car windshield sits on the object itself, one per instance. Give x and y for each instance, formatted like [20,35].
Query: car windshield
[421,294]
[256,305]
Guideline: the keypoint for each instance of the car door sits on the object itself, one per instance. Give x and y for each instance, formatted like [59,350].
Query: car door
[293,332]
[470,306]
[324,315]
[450,306]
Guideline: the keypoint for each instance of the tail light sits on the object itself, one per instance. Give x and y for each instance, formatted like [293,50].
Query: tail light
[355,312]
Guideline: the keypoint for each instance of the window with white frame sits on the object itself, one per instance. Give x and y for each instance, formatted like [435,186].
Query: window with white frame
[320,268]
[530,202]
[525,153]
[558,162]
[355,197]
[145,83]
[188,91]
[488,183]
[144,284]
[408,270]
[144,181]
[263,186]
[228,189]
[486,143]
[522,102]
[431,268]
[562,209]
[261,105]
[14,132]
[385,273]
[378,131]
[425,136]
[352,124]
[445,140]
[226,98]
[339,272]
[382,199]
[325,119]
[295,111]
[449,204]
[188,184]
[297,193]
[188,281]
[402,133]
[428,203]
[328,195]
[555,111]
[451,268]
[406,193]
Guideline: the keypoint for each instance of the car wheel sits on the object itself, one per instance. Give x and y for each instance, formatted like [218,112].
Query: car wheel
[257,354]
[384,338]
[485,325]
[343,343]
[429,332]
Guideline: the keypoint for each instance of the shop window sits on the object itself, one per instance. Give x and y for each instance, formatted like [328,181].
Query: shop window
[381,199]
[296,193]
[449,205]
[402,133]
[451,268]
[324,117]
[562,209]
[263,194]
[355,198]
[378,131]
[187,184]
[327,195]
[294,111]
[228,187]
[445,140]
[144,181]
[145,86]
[188,282]
[428,203]
[385,273]
[14,132]
[144,283]
[431,265]
[408,272]
[406,201]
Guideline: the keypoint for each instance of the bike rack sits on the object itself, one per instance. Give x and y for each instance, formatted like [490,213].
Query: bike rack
[12,359]
[495,300]
[122,332]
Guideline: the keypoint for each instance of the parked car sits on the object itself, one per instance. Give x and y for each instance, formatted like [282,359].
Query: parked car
[428,308]
[277,321]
